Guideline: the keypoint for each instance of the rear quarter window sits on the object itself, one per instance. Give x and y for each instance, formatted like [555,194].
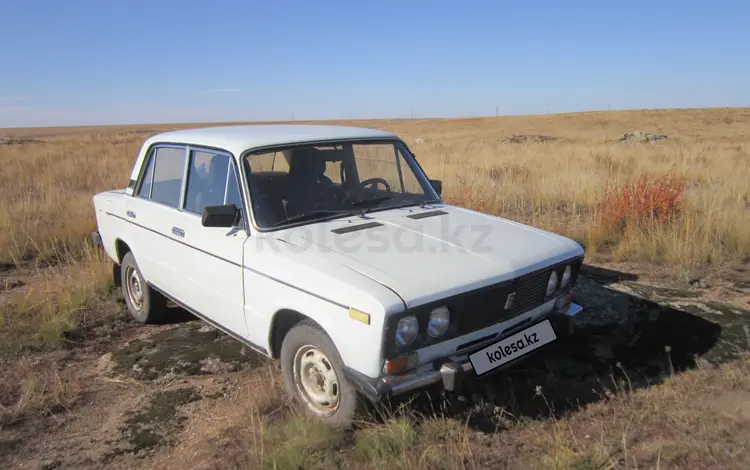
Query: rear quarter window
[145,189]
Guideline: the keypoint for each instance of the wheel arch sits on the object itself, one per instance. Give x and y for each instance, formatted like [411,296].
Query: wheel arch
[121,249]
[281,323]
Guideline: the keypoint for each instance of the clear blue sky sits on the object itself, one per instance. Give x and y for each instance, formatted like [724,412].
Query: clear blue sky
[135,61]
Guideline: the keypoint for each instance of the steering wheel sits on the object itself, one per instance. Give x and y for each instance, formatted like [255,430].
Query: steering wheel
[374,182]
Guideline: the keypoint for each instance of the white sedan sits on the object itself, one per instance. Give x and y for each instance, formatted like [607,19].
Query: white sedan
[330,249]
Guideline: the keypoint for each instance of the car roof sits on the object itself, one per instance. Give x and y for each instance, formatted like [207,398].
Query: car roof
[237,139]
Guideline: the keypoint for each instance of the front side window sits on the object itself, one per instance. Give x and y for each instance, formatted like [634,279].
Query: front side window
[212,181]
[306,183]
[233,195]
[207,180]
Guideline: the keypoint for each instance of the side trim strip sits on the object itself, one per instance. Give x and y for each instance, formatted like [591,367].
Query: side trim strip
[234,335]
[232,263]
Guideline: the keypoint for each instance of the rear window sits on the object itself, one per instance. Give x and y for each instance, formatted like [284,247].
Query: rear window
[168,169]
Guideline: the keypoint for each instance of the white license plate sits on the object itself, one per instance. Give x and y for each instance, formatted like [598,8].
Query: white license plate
[512,347]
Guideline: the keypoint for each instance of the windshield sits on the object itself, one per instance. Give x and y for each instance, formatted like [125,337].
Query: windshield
[300,184]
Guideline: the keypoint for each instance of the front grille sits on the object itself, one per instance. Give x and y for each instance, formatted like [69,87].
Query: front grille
[486,307]
[472,311]
[529,292]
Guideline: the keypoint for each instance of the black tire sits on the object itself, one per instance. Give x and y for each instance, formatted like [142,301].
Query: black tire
[152,305]
[305,338]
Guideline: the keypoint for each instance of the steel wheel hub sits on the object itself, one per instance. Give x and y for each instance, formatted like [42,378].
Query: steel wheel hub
[135,290]
[316,380]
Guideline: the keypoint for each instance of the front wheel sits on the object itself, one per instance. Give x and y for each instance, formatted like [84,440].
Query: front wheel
[313,375]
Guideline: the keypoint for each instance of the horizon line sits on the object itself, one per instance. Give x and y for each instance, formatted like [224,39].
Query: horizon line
[487,116]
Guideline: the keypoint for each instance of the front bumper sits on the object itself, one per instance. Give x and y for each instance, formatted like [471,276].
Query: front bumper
[450,372]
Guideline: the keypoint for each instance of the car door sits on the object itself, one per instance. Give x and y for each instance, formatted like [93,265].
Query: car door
[212,256]
[153,210]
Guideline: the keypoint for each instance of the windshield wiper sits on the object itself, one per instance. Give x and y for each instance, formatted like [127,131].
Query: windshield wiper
[311,215]
[367,202]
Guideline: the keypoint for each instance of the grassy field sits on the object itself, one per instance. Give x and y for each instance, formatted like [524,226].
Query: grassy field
[682,201]
[679,206]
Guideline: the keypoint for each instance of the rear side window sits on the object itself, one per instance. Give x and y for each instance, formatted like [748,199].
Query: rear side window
[169,166]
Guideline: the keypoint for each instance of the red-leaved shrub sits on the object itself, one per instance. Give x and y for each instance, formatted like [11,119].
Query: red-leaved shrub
[646,201]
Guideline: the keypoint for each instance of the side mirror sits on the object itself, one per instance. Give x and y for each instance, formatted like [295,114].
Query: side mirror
[220,216]
[437,185]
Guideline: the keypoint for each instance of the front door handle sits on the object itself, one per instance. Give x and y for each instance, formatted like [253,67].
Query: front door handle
[131,214]
[178,231]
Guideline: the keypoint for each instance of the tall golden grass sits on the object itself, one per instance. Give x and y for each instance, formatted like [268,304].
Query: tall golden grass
[46,188]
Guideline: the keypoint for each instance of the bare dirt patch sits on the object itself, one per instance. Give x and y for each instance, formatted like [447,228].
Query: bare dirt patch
[121,414]
[192,349]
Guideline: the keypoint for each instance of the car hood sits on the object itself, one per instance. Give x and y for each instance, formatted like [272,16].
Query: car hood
[424,254]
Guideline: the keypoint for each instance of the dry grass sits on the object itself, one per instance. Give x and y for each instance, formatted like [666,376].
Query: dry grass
[46,189]
[56,299]
[698,419]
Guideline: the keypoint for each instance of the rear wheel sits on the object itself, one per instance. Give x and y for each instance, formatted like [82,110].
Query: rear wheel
[313,375]
[144,303]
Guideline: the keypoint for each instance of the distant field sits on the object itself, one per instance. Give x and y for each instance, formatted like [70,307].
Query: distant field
[690,210]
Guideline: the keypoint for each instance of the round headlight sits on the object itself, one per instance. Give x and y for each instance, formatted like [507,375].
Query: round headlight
[407,330]
[440,319]
[551,284]
[565,277]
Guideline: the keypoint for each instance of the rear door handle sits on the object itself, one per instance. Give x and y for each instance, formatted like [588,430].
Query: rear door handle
[178,231]
[131,214]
